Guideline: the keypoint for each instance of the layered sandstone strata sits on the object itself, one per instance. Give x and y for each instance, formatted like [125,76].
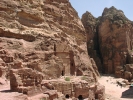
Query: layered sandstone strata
[42,36]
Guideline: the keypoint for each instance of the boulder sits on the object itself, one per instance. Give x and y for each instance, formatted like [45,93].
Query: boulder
[52,94]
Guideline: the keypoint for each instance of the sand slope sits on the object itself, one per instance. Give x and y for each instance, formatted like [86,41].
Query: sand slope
[114,91]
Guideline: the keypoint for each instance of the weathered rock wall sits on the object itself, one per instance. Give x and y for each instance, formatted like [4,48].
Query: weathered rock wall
[90,24]
[79,88]
[114,35]
[42,39]
[31,82]
[32,31]
[115,39]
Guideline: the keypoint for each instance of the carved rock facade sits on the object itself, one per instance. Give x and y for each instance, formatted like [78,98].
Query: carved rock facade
[42,40]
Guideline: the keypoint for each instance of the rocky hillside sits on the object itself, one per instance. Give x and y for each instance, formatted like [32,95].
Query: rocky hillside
[110,41]
[43,35]
[42,47]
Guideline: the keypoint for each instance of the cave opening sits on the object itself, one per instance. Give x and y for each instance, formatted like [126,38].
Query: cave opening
[67,96]
[24,92]
[62,73]
[0,73]
[96,96]
[80,97]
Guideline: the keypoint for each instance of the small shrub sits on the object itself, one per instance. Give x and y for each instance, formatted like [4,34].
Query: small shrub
[83,78]
[67,79]
[42,99]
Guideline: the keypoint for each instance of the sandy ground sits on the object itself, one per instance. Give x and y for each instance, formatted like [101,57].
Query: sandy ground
[6,94]
[113,91]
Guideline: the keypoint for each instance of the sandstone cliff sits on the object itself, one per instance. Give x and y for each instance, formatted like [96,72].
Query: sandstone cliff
[114,40]
[42,39]
[90,24]
[37,33]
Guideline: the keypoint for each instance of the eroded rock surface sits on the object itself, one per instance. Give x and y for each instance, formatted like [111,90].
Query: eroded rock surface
[40,42]
[90,24]
[42,36]
[110,39]
[31,82]
[115,37]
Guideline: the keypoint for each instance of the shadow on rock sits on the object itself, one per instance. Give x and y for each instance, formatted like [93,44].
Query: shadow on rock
[5,91]
[128,93]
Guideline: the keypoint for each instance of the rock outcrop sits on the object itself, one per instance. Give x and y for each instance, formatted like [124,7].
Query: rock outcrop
[42,39]
[90,24]
[115,39]
[78,88]
[38,34]
[31,82]
[111,39]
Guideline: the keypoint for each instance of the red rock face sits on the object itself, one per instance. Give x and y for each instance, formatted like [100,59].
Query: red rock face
[31,31]
[114,33]
[90,24]
[43,36]
[115,39]
[114,45]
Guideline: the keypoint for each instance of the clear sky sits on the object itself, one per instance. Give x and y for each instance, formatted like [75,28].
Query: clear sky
[96,7]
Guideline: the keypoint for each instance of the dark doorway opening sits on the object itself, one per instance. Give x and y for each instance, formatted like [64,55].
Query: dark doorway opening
[67,96]
[71,64]
[24,92]
[0,73]
[96,96]
[62,73]
[54,49]
[80,97]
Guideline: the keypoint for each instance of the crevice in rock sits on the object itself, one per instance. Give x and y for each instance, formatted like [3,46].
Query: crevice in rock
[93,46]
[109,41]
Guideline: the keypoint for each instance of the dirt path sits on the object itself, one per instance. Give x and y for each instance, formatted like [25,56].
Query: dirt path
[6,94]
[112,90]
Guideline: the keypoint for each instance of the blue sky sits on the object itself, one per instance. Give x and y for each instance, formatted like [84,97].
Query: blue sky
[96,7]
